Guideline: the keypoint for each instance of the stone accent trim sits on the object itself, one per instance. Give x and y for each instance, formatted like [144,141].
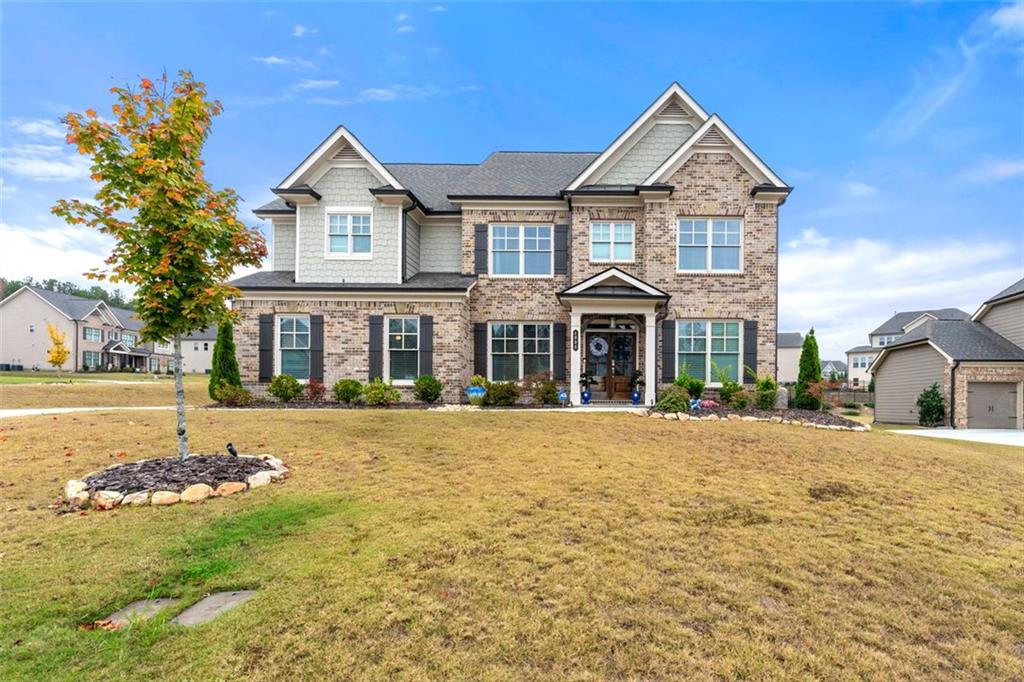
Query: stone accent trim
[967,373]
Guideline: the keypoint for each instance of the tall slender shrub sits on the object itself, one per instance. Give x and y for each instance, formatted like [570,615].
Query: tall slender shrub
[810,374]
[224,365]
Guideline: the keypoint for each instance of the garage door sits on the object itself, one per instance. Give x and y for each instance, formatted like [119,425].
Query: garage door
[991,405]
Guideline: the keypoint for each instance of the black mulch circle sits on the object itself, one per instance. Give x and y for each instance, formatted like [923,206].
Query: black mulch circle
[174,475]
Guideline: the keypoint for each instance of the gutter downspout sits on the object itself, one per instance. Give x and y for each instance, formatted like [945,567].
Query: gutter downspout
[952,394]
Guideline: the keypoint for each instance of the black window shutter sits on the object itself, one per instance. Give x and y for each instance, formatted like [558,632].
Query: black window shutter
[316,347]
[558,352]
[266,347]
[561,249]
[480,349]
[480,249]
[426,344]
[376,347]
[749,351]
[668,347]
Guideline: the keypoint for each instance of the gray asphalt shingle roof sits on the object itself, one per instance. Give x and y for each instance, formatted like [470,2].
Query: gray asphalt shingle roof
[789,340]
[862,349]
[896,323]
[523,174]
[963,340]
[74,307]
[431,182]
[839,365]
[424,281]
[278,205]
[1012,290]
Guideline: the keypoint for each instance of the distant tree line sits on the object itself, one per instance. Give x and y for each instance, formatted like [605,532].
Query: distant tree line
[114,298]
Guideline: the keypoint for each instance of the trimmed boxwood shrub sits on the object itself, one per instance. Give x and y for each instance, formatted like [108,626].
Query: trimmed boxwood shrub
[381,393]
[347,391]
[694,386]
[427,388]
[285,388]
[931,410]
[501,393]
[231,395]
[673,399]
[765,389]
[740,400]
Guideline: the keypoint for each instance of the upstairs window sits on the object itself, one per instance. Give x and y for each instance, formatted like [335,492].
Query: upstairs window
[522,250]
[403,358]
[709,245]
[128,339]
[93,334]
[293,342]
[611,242]
[349,234]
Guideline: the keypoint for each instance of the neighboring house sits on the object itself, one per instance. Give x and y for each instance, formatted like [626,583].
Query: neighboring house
[788,346]
[978,364]
[657,253]
[98,336]
[197,351]
[860,358]
[830,367]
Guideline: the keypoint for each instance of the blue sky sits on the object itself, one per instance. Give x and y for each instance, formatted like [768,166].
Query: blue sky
[900,125]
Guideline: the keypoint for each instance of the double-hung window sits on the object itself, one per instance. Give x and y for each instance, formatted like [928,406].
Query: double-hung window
[93,334]
[293,345]
[90,358]
[709,245]
[519,349]
[403,358]
[611,242]
[349,233]
[522,250]
[709,350]
[128,339]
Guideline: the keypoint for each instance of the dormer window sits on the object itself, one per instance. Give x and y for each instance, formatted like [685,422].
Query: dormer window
[349,233]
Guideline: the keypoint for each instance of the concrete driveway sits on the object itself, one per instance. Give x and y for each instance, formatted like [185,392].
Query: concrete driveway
[994,436]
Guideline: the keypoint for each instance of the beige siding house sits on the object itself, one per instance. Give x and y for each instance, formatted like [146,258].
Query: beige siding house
[658,253]
[788,348]
[197,351]
[978,364]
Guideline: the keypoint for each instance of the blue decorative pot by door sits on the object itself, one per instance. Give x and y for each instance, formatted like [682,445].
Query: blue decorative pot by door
[635,397]
[585,396]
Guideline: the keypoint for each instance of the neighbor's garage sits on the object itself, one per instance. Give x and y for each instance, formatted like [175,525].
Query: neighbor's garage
[901,377]
[991,405]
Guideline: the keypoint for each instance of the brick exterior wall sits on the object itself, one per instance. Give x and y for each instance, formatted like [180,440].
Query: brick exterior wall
[969,373]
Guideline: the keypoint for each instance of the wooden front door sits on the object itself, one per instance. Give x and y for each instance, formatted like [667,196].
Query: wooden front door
[611,361]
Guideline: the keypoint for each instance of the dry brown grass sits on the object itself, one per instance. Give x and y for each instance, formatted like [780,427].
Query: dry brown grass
[509,546]
[97,394]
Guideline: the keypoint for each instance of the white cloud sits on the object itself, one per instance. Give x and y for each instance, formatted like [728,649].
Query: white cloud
[392,93]
[860,190]
[299,31]
[52,250]
[37,127]
[274,60]
[404,28]
[402,16]
[45,162]
[312,84]
[845,293]
[323,51]
[438,8]
[992,169]
[1009,18]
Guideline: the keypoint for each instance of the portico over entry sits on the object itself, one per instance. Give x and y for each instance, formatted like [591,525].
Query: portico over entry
[613,335]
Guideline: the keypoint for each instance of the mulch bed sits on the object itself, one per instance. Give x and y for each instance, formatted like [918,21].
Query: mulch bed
[812,416]
[171,474]
[331,405]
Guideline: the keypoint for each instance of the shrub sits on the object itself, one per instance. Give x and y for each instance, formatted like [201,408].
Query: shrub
[224,364]
[231,395]
[851,406]
[740,400]
[285,388]
[380,392]
[871,405]
[728,390]
[347,391]
[542,388]
[931,410]
[871,385]
[675,398]
[694,386]
[315,390]
[810,373]
[501,393]
[765,389]
[477,380]
[427,388]
[851,413]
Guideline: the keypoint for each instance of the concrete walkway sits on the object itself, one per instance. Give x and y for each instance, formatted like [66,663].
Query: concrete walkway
[994,436]
[36,411]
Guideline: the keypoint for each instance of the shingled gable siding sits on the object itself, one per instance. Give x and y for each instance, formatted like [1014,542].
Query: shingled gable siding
[283,248]
[441,248]
[647,154]
[413,241]
[349,187]
[346,339]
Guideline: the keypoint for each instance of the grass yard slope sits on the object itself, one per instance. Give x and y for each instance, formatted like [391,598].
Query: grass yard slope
[16,392]
[418,545]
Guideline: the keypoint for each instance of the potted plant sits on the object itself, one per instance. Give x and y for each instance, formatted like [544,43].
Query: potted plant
[586,381]
[477,390]
[637,384]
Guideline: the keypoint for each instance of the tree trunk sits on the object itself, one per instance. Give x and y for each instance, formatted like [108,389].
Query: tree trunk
[179,399]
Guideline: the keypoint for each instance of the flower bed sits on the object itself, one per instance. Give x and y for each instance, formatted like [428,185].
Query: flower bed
[169,481]
[797,417]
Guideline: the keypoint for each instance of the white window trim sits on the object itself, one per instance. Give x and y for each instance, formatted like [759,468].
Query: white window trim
[387,351]
[611,241]
[522,251]
[277,342]
[708,372]
[522,354]
[345,210]
[707,249]
[85,335]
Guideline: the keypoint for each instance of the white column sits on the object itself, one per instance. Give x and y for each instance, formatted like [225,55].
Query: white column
[650,355]
[575,344]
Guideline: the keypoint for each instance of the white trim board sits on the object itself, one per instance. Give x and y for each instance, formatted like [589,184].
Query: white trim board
[324,148]
[604,275]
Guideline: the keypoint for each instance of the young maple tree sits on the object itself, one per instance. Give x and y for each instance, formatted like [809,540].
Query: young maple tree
[176,239]
[58,352]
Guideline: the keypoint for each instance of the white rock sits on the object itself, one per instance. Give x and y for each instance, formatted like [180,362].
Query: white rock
[711,418]
[164,497]
[137,499]
[682,416]
[733,417]
[196,493]
[79,499]
[821,426]
[836,427]
[775,420]
[748,418]
[278,474]
[258,479]
[671,415]
[656,415]
[808,425]
[73,487]
[106,499]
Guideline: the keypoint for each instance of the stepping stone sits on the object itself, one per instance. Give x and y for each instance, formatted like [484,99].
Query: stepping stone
[143,609]
[212,606]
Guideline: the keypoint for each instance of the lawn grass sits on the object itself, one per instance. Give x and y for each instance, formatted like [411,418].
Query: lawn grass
[48,376]
[425,545]
[98,394]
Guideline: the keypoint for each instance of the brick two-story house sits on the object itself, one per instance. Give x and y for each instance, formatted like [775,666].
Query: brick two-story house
[659,252]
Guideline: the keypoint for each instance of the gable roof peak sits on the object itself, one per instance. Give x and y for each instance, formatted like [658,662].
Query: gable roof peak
[340,142]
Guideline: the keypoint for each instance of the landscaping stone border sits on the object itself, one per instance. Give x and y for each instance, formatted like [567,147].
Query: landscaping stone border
[716,416]
[77,496]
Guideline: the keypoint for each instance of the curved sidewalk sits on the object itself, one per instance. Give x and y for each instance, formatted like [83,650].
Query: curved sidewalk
[36,411]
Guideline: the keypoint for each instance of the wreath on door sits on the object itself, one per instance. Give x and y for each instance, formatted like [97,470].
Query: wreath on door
[598,346]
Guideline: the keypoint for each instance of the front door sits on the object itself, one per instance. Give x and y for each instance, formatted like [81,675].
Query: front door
[611,361]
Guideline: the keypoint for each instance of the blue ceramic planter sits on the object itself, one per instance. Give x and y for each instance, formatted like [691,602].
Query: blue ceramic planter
[476,394]
[635,397]
[585,397]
